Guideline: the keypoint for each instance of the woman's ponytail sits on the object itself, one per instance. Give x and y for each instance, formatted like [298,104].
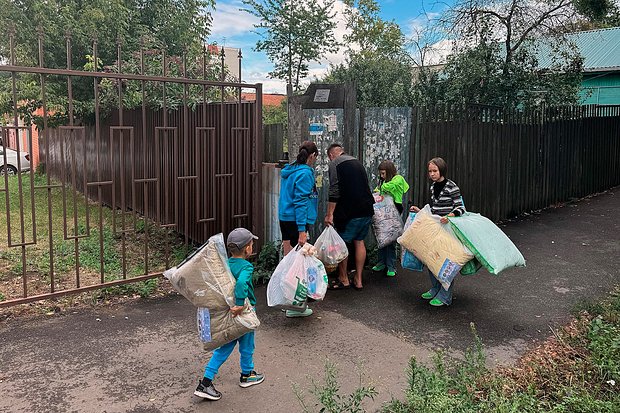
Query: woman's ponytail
[306,149]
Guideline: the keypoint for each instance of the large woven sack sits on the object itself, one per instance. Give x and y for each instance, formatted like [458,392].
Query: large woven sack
[204,277]
[487,242]
[435,245]
[386,221]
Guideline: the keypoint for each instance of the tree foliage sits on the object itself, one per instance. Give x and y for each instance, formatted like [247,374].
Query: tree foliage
[479,75]
[498,45]
[294,34]
[170,26]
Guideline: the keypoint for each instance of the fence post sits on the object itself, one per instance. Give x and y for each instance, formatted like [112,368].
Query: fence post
[350,106]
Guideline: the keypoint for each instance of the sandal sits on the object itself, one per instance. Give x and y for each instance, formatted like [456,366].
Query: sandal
[338,285]
[356,287]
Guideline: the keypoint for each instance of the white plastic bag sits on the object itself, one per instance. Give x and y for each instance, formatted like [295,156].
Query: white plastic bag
[386,221]
[331,248]
[298,276]
[288,288]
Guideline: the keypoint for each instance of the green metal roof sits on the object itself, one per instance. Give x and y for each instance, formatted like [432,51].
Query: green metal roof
[599,48]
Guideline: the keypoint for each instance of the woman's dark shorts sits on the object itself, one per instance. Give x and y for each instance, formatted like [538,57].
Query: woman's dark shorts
[289,231]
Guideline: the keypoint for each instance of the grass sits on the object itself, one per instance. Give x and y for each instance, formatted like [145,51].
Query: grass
[100,251]
[575,370]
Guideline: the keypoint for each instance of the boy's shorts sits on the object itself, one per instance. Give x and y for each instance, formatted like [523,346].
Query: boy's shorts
[356,229]
[290,232]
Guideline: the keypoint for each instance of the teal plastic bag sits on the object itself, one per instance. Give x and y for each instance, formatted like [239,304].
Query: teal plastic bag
[487,242]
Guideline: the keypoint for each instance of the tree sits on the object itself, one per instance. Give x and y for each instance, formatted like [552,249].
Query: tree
[173,26]
[294,33]
[497,45]
[376,57]
[479,75]
[599,13]
[511,22]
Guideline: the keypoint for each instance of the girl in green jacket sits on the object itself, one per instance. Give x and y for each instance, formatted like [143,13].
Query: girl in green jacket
[395,186]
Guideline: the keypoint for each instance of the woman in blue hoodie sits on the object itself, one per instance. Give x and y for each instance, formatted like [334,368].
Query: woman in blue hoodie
[298,205]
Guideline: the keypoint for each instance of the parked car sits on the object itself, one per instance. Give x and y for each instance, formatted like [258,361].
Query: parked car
[11,166]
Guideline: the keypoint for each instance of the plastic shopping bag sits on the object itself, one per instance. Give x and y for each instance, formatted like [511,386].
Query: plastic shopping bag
[386,221]
[409,261]
[288,288]
[331,248]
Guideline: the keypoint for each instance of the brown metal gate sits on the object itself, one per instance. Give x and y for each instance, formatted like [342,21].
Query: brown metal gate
[147,173]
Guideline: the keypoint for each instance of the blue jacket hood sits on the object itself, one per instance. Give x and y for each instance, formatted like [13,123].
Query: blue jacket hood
[293,168]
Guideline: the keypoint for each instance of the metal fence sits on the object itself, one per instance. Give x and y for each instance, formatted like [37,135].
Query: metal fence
[195,170]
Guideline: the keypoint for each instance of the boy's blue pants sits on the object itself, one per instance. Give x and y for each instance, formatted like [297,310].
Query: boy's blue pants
[246,351]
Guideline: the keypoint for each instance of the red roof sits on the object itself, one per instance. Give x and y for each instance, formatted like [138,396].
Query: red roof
[268,99]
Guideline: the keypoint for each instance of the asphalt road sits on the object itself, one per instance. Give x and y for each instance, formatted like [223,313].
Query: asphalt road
[144,356]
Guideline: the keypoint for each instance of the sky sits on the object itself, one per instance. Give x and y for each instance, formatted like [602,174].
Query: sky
[235,28]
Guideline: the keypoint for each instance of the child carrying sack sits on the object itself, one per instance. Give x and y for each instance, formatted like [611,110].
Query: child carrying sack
[331,248]
[204,278]
[386,221]
[436,246]
[298,276]
[490,245]
[407,260]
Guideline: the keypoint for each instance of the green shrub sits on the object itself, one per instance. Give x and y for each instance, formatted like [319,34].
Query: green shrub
[266,262]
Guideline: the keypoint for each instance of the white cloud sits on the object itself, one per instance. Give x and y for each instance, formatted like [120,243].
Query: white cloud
[229,20]
[269,85]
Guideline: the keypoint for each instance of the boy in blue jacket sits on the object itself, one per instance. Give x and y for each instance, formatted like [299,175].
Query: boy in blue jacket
[240,243]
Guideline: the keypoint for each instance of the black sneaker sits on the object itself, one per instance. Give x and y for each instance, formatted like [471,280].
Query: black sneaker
[251,379]
[207,392]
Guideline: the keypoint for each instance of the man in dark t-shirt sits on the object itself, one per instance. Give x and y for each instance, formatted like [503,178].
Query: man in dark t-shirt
[350,209]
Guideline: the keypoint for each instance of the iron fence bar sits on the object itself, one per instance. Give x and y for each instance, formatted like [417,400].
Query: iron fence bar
[144,180]
[121,161]
[223,170]
[99,183]
[119,76]
[46,296]
[21,207]
[258,217]
[46,139]
[184,179]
